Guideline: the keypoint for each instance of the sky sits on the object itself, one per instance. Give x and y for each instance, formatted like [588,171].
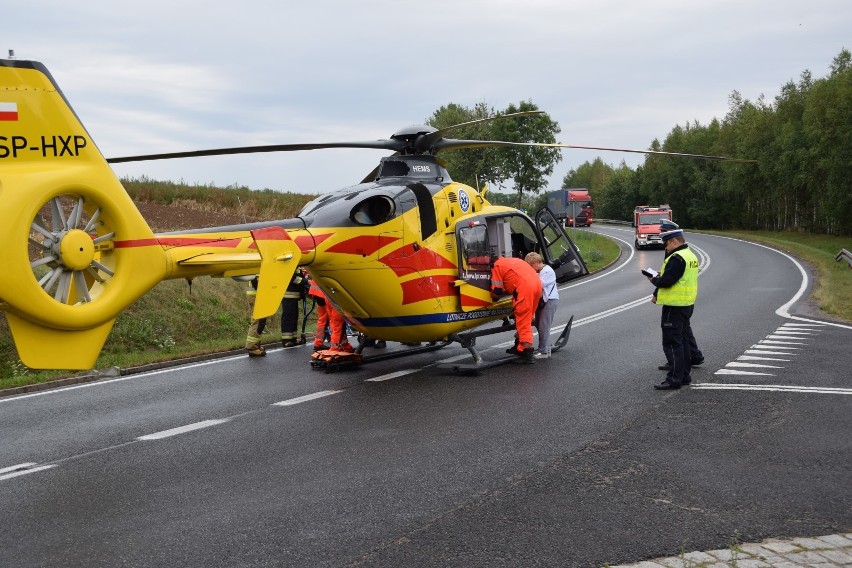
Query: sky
[163,76]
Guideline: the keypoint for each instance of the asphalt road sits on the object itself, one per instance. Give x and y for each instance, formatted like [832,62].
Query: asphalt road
[574,461]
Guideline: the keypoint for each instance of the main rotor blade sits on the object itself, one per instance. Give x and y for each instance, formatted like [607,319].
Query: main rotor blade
[374,144]
[429,140]
[451,144]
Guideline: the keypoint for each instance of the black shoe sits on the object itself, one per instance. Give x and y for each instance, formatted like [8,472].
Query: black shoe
[513,350]
[380,344]
[686,383]
[666,385]
[527,356]
[696,362]
[288,343]
[665,367]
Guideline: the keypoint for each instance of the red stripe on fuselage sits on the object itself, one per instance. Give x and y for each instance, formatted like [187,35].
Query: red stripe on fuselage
[427,288]
[405,260]
[364,245]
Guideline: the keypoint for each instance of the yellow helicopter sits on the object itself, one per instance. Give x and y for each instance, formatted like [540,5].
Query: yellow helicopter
[405,255]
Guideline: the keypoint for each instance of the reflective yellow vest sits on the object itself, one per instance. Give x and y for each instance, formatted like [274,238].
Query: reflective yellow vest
[685,290]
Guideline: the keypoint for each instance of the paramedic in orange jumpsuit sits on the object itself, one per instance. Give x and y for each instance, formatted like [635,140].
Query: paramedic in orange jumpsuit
[327,315]
[322,316]
[514,276]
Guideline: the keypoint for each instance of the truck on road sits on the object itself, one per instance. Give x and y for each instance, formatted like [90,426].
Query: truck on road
[646,220]
[572,206]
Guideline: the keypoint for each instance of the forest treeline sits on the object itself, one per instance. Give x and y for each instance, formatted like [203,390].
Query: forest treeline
[802,178]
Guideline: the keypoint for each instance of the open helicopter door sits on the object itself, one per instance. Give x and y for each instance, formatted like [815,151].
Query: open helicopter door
[557,248]
[474,283]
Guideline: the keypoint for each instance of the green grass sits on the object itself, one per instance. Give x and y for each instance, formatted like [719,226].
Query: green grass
[262,204]
[597,250]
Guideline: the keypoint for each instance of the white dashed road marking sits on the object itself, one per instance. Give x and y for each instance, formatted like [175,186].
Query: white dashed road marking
[182,429]
[307,397]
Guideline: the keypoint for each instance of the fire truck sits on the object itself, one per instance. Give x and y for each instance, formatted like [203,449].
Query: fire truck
[646,220]
[572,206]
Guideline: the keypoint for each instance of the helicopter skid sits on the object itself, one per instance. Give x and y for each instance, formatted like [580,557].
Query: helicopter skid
[469,340]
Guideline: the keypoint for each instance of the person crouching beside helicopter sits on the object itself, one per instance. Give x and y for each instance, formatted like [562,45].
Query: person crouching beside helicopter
[514,276]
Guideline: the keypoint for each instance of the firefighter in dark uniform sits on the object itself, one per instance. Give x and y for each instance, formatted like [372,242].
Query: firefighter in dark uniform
[676,291]
[296,291]
[256,327]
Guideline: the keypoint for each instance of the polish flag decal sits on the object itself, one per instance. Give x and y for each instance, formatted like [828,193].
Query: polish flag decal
[9,111]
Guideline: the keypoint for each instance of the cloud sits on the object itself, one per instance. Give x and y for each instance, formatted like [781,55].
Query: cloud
[160,76]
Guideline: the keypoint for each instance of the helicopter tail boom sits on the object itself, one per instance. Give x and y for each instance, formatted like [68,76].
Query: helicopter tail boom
[77,251]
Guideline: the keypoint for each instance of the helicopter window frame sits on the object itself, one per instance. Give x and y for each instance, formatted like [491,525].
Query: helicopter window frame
[374,210]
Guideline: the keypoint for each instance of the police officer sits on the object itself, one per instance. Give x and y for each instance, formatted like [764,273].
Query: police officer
[676,290]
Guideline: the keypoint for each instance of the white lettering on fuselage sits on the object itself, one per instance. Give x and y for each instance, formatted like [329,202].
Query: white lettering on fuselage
[463,316]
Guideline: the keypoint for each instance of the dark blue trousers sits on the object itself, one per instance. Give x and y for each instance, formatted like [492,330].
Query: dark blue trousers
[676,342]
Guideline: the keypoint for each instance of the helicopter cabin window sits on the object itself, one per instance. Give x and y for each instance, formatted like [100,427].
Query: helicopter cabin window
[474,249]
[524,237]
[373,211]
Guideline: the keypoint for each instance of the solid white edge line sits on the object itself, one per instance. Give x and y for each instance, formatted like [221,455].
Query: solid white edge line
[182,429]
[305,398]
[26,471]
[119,379]
[734,372]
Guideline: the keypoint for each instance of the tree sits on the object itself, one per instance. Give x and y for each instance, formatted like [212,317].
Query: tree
[528,168]
[470,165]
[593,176]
